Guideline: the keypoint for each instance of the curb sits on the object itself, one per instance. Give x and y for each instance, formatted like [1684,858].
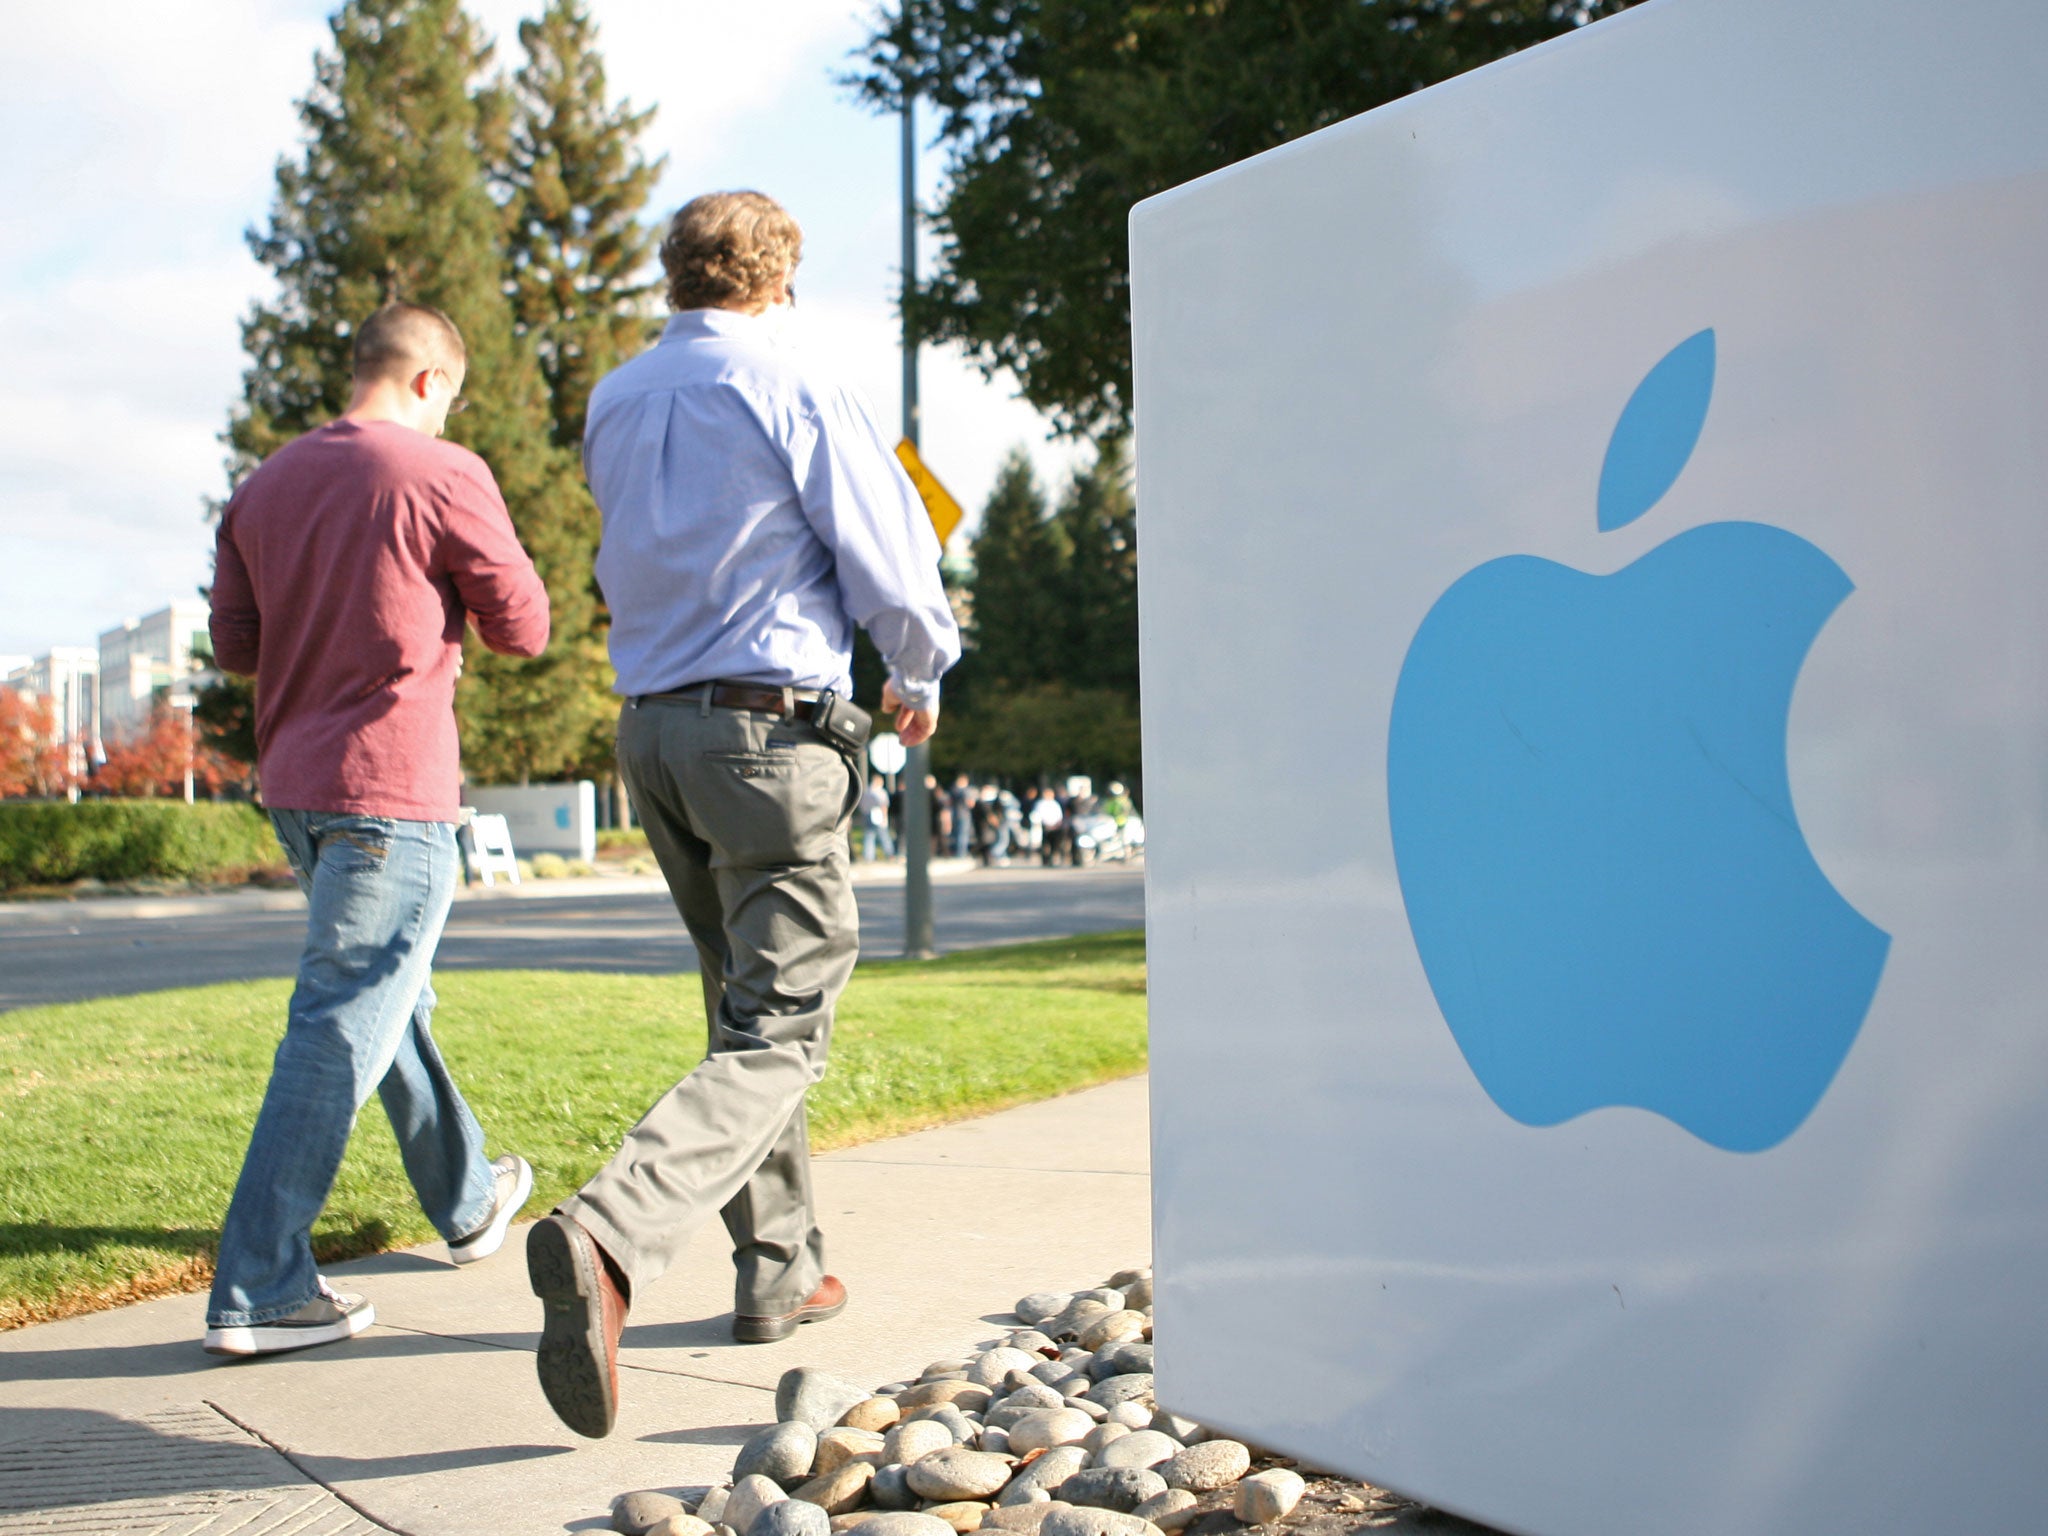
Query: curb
[68,911]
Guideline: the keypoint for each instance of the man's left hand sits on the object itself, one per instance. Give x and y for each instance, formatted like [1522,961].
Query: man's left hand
[914,726]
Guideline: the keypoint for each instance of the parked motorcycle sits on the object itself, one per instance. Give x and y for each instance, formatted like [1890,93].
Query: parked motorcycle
[1097,836]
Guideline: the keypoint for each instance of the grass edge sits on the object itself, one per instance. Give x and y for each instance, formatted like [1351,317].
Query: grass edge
[194,1273]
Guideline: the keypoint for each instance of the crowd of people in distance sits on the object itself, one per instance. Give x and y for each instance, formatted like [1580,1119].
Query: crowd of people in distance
[1066,823]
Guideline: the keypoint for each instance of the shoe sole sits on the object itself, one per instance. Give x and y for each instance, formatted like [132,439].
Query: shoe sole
[574,1375]
[768,1330]
[265,1339]
[487,1242]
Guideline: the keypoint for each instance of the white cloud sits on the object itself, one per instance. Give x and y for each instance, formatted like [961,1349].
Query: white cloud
[165,335]
[142,128]
[70,572]
[705,65]
[971,424]
[116,390]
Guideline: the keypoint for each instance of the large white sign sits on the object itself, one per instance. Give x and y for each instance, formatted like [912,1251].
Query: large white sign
[1600,1018]
[545,818]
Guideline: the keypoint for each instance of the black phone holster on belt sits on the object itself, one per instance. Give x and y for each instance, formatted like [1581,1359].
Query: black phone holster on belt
[842,722]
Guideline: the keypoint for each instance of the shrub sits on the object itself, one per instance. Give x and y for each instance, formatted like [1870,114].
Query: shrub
[46,843]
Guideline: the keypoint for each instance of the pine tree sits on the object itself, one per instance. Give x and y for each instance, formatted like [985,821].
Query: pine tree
[575,185]
[1020,566]
[1052,664]
[389,200]
[1099,517]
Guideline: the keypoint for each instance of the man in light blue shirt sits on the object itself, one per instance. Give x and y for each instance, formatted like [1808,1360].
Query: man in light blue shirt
[753,515]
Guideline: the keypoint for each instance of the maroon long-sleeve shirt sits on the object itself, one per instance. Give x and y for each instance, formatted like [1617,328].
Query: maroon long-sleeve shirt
[344,570]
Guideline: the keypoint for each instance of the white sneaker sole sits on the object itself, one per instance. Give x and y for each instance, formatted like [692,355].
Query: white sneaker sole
[281,1339]
[492,1238]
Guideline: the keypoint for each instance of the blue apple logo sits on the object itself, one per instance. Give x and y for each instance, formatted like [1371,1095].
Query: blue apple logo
[1593,824]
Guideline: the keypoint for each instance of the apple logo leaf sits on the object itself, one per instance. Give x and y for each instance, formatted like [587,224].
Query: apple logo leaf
[1657,431]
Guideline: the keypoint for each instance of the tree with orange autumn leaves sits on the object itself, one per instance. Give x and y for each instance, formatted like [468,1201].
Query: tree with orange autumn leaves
[32,760]
[153,762]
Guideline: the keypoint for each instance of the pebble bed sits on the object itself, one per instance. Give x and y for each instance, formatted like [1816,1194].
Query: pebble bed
[1052,1430]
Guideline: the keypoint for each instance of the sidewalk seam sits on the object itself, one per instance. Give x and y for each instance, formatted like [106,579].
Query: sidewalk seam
[305,1471]
[624,1365]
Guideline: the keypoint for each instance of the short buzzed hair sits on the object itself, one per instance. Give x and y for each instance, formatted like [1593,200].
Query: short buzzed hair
[729,248]
[401,339]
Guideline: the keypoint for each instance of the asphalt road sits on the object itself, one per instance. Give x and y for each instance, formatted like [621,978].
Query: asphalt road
[51,956]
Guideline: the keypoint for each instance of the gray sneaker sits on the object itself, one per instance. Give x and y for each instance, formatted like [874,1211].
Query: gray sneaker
[515,1183]
[329,1317]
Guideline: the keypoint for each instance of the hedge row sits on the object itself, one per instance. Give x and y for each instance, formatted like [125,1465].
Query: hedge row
[47,843]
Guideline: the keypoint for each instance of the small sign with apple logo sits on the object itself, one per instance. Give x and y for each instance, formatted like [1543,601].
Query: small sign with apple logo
[1592,819]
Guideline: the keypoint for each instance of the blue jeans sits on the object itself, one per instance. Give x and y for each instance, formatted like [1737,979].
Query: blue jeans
[378,892]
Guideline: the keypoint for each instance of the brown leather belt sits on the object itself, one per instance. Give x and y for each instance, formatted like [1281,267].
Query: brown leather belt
[755,696]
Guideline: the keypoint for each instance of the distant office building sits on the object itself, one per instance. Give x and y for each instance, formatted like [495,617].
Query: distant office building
[69,677]
[149,657]
[9,666]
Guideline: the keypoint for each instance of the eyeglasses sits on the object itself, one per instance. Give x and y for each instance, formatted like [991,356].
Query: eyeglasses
[458,405]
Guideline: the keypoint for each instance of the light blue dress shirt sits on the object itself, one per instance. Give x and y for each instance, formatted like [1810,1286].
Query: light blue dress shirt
[753,514]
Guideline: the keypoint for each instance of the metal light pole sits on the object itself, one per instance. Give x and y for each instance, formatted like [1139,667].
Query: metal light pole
[917,805]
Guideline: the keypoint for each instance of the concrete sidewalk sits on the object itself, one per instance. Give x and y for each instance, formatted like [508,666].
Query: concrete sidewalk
[432,1424]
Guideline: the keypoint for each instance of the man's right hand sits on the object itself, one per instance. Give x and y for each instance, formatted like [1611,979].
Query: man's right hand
[913,726]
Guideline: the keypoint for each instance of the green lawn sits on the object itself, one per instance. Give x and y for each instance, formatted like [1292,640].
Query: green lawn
[123,1121]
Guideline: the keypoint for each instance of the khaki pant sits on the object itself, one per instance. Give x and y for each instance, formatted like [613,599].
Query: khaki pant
[747,814]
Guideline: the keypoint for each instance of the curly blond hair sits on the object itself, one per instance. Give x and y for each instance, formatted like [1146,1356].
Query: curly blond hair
[729,250]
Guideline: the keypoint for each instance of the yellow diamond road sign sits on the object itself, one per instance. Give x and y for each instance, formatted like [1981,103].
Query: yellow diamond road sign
[939,504]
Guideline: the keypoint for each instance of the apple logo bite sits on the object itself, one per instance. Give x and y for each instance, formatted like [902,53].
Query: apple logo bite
[1593,824]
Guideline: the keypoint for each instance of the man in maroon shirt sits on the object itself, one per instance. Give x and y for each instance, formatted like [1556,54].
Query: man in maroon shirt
[346,568]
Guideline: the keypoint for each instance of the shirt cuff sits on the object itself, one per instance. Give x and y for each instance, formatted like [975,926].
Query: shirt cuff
[918,695]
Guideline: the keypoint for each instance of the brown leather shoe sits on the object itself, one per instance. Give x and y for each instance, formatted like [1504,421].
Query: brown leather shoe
[579,1340]
[828,1300]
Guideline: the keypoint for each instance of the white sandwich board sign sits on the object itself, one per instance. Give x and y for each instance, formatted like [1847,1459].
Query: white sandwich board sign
[1612,1097]
[545,818]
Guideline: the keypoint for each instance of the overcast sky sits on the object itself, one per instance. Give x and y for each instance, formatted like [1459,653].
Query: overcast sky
[142,140]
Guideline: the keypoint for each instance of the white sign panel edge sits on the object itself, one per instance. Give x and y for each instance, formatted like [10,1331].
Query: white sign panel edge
[1368,364]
